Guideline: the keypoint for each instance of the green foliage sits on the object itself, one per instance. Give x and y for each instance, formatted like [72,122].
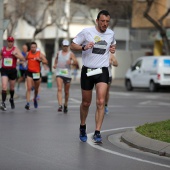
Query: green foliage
[158,130]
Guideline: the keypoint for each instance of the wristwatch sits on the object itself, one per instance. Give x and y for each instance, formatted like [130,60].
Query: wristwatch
[83,47]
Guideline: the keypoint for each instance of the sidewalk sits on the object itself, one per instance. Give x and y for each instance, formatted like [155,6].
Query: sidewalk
[136,140]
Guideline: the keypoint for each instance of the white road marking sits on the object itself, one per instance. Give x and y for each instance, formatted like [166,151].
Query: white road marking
[145,102]
[119,154]
[75,100]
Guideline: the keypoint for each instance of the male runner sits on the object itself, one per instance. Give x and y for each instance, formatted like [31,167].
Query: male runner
[9,56]
[95,44]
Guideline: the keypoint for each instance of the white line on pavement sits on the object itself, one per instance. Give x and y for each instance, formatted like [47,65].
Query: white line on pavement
[145,102]
[75,100]
[119,154]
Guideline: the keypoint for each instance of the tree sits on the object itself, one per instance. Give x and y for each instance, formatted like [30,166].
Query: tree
[158,24]
[118,9]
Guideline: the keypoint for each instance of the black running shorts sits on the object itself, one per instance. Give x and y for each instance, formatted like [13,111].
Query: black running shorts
[30,74]
[65,79]
[23,73]
[87,83]
[10,73]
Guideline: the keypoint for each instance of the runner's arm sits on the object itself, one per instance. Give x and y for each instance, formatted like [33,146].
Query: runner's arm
[43,58]
[113,60]
[73,59]
[78,47]
[18,54]
[55,62]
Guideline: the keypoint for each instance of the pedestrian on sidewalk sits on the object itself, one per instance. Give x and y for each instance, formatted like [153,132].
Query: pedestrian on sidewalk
[112,62]
[34,58]
[9,55]
[95,43]
[62,64]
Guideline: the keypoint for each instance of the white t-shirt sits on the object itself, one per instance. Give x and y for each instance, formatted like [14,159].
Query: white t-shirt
[98,56]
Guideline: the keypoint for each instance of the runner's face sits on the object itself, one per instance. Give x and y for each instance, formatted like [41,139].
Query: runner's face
[33,48]
[103,22]
[10,44]
[65,48]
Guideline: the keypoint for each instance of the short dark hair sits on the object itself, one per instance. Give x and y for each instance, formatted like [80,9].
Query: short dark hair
[103,12]
[33,43]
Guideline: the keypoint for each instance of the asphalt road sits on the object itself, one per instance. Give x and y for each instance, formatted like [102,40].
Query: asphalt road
[44,139]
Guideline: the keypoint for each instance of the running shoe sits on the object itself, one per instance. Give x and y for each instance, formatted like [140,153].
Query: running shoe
[65,109]
[3,106]
[35,103]
[60,109]
[97,138]
[83,135]
[27,107]
[38,97]
[12,103]
[106,110]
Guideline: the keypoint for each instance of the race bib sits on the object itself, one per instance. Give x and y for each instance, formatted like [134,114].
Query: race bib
[8,61]
[36,75]
[63,72]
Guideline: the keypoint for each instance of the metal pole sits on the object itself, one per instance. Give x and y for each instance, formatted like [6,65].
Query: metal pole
[1,22]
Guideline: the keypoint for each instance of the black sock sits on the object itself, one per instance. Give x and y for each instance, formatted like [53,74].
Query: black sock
[12,93]
[82,126]
[4,93]
[97,132]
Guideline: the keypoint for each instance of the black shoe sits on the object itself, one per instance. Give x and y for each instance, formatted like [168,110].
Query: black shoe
[97,138]
[27,107]
[3,106]
[65,109]
[60,109]
[12,103]
[35,103]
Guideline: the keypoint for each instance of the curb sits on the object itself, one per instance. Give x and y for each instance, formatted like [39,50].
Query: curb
[136,140]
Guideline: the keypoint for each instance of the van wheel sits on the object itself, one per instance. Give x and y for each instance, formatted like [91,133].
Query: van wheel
[128,85]
[152,87]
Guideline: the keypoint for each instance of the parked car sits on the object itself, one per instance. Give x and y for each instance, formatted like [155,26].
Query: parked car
[150,72]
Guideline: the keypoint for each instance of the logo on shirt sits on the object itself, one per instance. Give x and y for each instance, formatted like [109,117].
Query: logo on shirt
[97,38]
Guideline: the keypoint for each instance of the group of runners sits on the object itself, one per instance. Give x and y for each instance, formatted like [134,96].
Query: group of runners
[97,45]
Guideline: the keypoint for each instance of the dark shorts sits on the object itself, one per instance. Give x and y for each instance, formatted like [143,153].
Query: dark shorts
[23,73]
[30,74]
[87,83]
[10,73]
[110,80]
[65,79]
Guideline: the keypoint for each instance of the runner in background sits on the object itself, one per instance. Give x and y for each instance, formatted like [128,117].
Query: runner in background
[62,64]
[112,62]
[34,58]
[23,67]
[9,56]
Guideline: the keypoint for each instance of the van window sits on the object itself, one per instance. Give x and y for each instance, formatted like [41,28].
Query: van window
[137,66]
[166,63]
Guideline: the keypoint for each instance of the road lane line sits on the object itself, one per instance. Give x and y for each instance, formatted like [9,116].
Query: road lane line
[119,154]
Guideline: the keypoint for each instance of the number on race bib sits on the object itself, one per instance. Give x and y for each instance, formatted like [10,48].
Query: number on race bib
[64,72]
[8,61]
[36,75]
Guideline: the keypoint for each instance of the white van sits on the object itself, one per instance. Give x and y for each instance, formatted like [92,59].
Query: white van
[150,72]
